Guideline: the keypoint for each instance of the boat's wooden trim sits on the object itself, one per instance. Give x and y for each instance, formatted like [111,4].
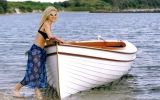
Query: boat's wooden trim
[86,56]
[109,49]
[100,44]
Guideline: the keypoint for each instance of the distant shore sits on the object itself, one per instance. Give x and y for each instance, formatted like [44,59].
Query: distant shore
[129,11]
[18,11]
[94,6]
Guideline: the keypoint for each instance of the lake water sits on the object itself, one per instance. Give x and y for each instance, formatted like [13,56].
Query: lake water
[17,34]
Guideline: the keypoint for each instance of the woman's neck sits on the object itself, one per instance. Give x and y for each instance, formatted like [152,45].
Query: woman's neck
[50,22]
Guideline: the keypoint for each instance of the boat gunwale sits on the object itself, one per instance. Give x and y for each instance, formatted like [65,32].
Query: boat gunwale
[93,48]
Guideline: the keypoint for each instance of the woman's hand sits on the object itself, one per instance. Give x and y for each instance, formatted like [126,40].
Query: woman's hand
[57,39]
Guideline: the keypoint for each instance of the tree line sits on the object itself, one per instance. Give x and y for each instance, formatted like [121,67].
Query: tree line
[3,6]
[80,5]
[111,4]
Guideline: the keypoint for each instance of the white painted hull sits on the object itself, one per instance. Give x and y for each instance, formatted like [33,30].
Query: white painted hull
[72,68]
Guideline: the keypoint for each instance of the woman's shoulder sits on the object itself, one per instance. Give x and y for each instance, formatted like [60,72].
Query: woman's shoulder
[43,26]
[46,24]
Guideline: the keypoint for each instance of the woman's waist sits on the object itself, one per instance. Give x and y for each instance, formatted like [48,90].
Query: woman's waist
[40,42]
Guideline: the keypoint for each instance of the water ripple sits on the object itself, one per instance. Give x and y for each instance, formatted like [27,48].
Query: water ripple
[17,35]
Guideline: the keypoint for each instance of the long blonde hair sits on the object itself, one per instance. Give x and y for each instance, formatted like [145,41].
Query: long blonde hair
[45,14]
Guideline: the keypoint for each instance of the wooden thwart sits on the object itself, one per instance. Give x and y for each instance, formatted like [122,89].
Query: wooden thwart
[99,44]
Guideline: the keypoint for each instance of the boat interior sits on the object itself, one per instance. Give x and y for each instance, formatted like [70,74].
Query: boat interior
[93,44]
[99,44]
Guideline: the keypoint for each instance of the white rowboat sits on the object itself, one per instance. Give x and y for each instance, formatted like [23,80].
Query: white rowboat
[78,66]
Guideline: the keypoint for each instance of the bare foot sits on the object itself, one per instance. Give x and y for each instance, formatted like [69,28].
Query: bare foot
[38,94]
[39,97]
[16,93]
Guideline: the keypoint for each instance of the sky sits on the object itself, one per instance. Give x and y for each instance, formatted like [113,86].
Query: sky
[41,0]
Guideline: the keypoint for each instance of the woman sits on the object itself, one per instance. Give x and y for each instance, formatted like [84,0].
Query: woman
[35,76]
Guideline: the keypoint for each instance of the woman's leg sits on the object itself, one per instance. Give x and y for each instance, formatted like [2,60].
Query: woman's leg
[16,90]
[18,86]
[38,94]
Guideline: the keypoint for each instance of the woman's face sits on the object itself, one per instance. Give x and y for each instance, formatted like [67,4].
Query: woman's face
[52,16]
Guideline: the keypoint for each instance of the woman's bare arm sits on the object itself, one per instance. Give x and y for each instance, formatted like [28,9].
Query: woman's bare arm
[50,35]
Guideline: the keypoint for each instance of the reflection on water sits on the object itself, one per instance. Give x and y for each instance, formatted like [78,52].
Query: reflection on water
[17,33]
[105,92]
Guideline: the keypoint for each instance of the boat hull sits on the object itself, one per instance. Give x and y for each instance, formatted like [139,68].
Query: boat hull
[72,69]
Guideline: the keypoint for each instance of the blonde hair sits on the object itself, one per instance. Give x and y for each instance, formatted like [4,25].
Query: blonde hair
[46,13]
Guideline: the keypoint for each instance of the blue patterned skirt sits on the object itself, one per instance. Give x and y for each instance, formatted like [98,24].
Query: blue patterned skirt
[35,76]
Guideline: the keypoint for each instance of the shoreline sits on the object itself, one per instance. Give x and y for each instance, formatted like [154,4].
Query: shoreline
[96,11]
[128,11]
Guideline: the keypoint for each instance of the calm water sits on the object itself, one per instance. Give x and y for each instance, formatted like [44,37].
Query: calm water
[17,33]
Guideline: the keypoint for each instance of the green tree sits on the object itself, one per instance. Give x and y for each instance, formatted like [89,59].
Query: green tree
[1,10]
[65,4]
[3,6]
